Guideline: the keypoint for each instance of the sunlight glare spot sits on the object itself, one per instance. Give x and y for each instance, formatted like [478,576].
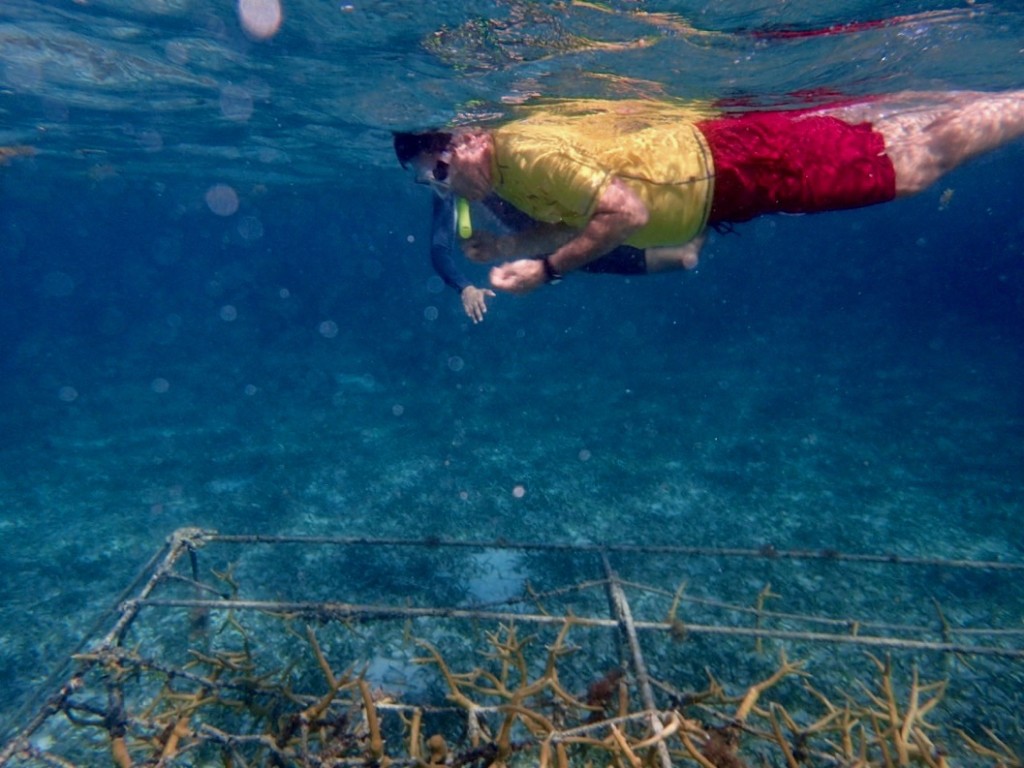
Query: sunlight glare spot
[236,103]
[250,228]
[222,199]
[260,18]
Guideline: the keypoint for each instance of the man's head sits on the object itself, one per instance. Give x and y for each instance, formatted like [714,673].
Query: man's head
[458,161]
[425,153]
[409,146]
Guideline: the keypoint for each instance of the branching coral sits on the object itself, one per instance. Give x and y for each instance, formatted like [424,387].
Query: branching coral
[517,710]
[521,700]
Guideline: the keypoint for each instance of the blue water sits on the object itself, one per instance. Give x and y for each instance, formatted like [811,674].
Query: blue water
[848,380]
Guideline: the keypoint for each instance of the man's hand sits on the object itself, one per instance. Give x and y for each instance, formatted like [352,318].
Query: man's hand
[518,276]
[474,301]
[485,247]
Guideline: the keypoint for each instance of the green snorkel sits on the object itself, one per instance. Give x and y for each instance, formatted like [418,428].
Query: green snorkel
[463,221]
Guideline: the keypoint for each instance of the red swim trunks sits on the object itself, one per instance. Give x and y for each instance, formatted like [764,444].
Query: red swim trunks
[794,162]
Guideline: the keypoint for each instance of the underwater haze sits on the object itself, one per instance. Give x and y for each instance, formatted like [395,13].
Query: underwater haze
[217,307]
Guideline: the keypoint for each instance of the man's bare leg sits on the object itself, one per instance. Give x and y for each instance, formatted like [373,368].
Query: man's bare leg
[929,134]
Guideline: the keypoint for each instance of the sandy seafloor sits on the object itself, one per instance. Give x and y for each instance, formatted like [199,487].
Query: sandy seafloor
[848,381]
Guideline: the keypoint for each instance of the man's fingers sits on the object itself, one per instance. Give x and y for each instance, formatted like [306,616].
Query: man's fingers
[478,248]
[502,278]
[508,278]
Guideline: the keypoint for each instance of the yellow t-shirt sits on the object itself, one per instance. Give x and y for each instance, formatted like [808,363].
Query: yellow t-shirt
[554,164]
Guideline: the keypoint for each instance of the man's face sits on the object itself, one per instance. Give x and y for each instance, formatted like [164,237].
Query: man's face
[468,165]
[432,168]
[463,168]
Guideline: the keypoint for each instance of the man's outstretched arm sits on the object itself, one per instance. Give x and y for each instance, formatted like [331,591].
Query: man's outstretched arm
[442,246]
[619,212]
[538,239]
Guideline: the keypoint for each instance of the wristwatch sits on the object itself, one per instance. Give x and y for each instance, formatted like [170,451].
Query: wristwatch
[551,275]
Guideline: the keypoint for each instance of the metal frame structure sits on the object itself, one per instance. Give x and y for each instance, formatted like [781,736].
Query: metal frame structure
[90,692]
